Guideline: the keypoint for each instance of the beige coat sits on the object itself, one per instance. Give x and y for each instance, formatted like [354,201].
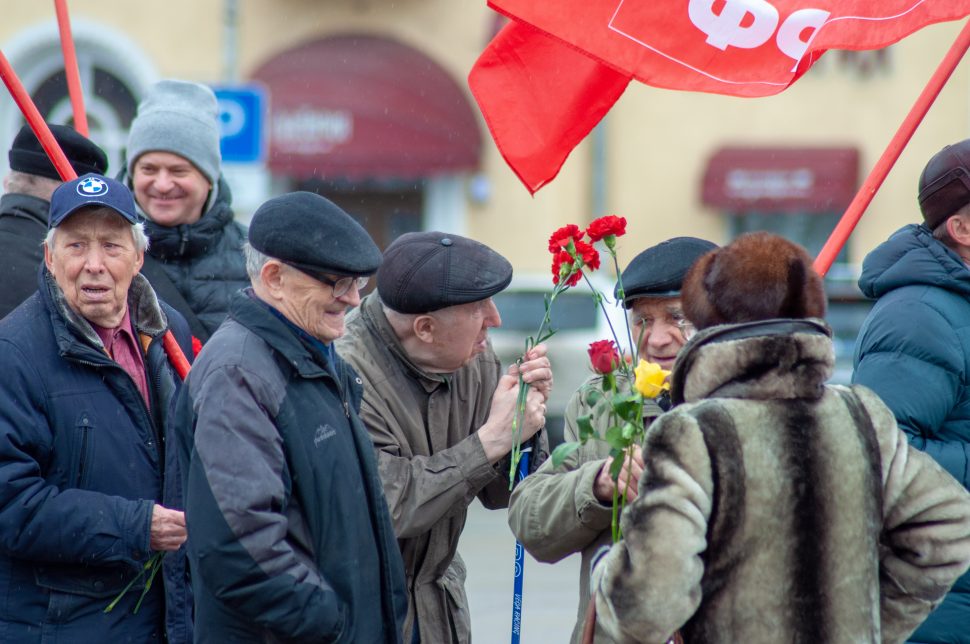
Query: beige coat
[431,462]
[774,508]
[553,512]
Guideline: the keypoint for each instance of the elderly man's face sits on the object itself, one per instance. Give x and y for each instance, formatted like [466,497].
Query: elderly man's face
[461,333]
[93,260]
[660,326]
[169,188]
[310,304]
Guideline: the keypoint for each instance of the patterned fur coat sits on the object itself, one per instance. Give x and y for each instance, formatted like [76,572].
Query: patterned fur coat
[774,508]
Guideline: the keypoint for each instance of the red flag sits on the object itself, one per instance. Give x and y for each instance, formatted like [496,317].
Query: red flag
[540,98]
[738,47]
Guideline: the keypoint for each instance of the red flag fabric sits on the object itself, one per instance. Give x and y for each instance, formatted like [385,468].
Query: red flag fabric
[540,98]
[738,47]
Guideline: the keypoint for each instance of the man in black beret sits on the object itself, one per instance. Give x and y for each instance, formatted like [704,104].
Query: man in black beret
[25,204]
[913,349]
[438,409]
[559,511]
[291,539]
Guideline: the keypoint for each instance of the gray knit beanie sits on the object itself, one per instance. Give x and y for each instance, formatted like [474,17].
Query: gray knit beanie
[182,118]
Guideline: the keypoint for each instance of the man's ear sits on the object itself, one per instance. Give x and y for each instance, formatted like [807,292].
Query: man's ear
[272,276]
[48,257]
[424,328]
[958,226]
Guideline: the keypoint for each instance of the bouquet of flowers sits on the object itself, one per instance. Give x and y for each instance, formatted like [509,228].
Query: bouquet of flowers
[626,380]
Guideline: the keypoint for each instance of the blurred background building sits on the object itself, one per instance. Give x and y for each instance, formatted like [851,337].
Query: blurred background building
[366,102]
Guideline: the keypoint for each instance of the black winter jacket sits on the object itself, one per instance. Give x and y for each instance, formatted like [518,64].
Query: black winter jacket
[291,540]
[81,466]
[23,224]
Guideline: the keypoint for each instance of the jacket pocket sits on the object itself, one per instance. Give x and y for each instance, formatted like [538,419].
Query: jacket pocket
[453,583]
[95,582]
[82,450]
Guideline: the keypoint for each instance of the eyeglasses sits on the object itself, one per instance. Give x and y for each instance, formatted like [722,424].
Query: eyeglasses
[343,285]
[672,318]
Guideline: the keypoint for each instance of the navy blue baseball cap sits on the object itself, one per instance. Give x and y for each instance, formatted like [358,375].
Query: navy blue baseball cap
[91,190]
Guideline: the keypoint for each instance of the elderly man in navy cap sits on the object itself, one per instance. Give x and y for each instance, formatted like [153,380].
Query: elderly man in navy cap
[87,491]
[438,408]
[291,537]
[559,511]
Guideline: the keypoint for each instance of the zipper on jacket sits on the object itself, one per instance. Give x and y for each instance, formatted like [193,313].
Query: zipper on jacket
[85,428]
[346,409]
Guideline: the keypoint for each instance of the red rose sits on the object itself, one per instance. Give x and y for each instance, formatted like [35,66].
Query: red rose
[605,226]
[604,357]
[564,261]
[590,256]
[561,238]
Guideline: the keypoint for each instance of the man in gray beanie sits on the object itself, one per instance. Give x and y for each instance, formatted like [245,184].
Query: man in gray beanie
[559,511]
[195,259]
[25,204]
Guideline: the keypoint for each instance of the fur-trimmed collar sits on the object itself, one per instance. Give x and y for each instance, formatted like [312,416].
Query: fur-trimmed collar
[147,315]
[762,360]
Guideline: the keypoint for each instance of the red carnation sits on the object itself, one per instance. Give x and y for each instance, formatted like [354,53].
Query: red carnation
[561,238]
[604,357]
[563,260]
[590,256]
[606,226]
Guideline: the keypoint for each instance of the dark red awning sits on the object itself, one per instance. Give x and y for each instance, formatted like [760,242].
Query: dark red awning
[358,107]
[781,179]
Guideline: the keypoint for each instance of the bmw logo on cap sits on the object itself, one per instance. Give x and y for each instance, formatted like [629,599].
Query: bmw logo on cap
[92,187]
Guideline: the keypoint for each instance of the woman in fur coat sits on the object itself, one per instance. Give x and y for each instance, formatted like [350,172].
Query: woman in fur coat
[774,507]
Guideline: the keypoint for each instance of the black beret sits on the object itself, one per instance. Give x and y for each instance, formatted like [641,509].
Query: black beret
[27,154]
[944,185]
[313,234]
[659,271]
[427,271]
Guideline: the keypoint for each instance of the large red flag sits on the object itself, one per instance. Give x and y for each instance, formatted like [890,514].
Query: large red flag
[737,47]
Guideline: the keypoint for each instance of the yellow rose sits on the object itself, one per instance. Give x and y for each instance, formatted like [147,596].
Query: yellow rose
[651,379]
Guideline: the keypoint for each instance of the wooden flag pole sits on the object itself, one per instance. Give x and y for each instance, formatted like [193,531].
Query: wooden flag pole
[878,173]
[71,68]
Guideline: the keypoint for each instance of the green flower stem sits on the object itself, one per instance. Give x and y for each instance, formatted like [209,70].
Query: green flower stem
[153,564]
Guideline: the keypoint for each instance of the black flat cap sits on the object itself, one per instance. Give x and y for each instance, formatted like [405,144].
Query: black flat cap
[659,271]
[944,185]
[27,154]
[424,272]
[313,234]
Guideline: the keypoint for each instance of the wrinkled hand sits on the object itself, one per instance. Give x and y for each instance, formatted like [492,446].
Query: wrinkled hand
[536,370]
[496,433]
[168,529]
[603,486]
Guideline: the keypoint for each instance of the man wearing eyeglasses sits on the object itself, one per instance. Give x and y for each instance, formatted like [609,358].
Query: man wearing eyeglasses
[559,511]
[291,539]
[439,410]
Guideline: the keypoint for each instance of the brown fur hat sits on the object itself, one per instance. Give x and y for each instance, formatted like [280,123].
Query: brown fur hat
[758,276]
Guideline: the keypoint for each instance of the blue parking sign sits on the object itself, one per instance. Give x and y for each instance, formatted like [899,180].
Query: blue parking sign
[241,117]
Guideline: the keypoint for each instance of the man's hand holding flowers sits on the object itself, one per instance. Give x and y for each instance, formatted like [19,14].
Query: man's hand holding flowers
[496,434]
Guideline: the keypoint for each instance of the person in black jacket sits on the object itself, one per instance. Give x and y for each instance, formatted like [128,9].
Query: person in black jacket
[195,260]
[26,200]
[88,493]
[291,539]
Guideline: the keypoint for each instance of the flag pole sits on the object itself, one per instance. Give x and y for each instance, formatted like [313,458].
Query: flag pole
[519,574]
[71,68]
[64,168]
[885,163]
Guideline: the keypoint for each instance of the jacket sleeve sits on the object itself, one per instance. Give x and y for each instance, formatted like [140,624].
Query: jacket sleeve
[925,543]
[420,490]
[649,584]
[236,491]
[892,357]
[553,512]
[40,521]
